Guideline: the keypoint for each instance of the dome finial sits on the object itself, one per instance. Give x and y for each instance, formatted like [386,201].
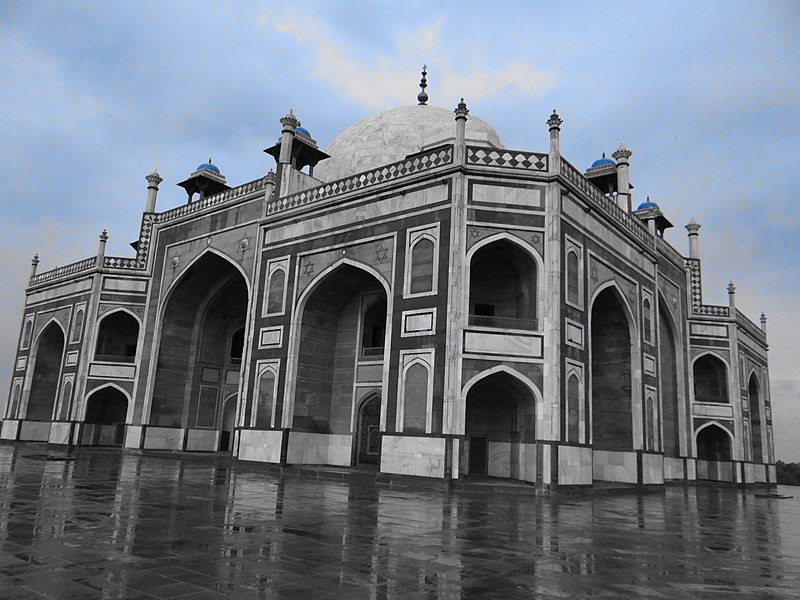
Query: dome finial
[423,83]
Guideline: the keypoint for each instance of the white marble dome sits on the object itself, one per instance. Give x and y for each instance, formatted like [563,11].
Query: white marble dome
[392,135]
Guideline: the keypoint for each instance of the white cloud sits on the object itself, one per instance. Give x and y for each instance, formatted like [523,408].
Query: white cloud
[383,78]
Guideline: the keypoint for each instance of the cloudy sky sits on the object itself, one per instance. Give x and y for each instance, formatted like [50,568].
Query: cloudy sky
[706,94]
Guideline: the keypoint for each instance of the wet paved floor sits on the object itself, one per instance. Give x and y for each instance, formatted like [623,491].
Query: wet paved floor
[111,525]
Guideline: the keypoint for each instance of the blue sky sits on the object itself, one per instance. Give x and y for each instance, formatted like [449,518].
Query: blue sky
[707,95]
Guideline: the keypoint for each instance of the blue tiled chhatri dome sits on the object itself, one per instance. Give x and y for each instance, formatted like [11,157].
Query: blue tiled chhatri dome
[208,166]
[603,161]
[302,130]
[647,204]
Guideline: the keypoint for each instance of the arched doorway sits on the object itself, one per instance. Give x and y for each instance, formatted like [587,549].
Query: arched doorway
[612,416]
[104,423]
[714,454]
[502,287]
[501,415]
[228,423]
[369,425]
[668,379]
[117,338]
[46,373]
[710,380]
[755,418]
[200,350]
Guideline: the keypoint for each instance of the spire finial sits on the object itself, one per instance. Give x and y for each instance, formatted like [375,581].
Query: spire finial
[461,110]
[423,83]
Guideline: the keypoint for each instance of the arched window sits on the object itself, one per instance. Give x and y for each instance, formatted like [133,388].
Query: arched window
[77,326]
[573,402]
[710,380]
[415,399]
[650,417]
[573,268]
[66,397]
[13,406]
[502,287]
[266,398]
[27,334]
[277,287]
[755,418]
[648,320]
[713,443]
[422,266]
[117,337]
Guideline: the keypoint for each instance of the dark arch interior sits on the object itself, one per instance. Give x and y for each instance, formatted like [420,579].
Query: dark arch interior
[106,411]
[329,347]
[502,287]
[117,338]
[199,354]
[710,380]
[713,444]
[46,370]
[612,418]
[500,409]
[755,418]
[668,379]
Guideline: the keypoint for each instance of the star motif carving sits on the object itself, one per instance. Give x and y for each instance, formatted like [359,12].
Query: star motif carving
[380,253]
[536,238]
[594,275]
[308,269]
[474,233]
[631,295]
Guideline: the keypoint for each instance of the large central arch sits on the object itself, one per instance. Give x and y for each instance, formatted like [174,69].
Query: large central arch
[200,350]
[341,322]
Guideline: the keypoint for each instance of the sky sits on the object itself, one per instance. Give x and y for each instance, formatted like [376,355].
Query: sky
[706,95]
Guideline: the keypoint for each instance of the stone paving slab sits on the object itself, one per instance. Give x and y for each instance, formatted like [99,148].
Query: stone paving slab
[106,524]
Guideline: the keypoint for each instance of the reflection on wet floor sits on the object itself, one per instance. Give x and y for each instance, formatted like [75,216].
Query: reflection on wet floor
[103,524]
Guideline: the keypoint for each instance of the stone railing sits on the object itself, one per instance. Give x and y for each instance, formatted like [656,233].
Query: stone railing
[120,262]
[86,264]
[750,327]
[503,322]
[667,249]
[606,204]
[231,194]
[711,310]
[423,161]
[514,159]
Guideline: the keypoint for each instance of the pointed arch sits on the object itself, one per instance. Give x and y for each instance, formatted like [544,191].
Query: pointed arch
[106,386]
[713,451]
[671,381]
[480,311]
[616,410]
[754,398]
[194,400]
[165,296]
[298,313]
[711,378]
[117,336]
[44,377]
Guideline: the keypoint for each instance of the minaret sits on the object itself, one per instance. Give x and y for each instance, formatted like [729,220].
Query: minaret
[621,155]
[153,179]
[35,265]
[422,97]
[693,227]
[101,248]
[764,323]
[554,123]
[290,123]
[461,112]
[732,297]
